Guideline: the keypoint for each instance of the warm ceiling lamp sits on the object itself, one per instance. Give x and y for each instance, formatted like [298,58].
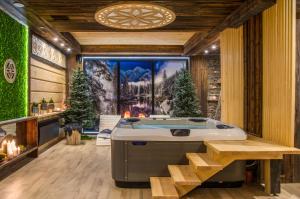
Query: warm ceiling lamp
[135,16]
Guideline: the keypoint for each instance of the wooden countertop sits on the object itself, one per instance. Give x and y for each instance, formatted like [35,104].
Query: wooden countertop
[47,116]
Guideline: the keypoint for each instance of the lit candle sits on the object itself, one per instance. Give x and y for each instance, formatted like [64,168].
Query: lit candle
[9,150]
[18,150]
[4,146]
[14,148]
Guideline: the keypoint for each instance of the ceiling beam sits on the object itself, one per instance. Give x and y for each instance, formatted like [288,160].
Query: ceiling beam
[249,8]
[70,26]
[132,49]
[39,26]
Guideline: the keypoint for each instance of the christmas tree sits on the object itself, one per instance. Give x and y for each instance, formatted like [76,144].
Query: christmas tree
[81,109]
[185,102]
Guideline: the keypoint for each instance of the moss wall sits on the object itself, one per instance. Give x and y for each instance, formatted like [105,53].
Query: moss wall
[13,45]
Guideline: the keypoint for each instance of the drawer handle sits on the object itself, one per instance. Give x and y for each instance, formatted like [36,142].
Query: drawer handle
[139,143]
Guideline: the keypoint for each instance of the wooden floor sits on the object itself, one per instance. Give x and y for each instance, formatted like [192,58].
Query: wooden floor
[65,172]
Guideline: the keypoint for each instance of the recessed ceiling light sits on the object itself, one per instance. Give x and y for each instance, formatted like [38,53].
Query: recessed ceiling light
[135,16]
[18,4]
[55,39]
[62,44]
[206,51]
[214,47]
[69,49]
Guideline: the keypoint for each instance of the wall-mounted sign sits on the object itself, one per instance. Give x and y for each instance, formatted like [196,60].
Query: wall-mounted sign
[10,71]
[47,52]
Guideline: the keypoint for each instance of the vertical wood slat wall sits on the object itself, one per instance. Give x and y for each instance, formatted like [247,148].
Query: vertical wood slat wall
[253,75]
[232,76]
[47,82]
[296,159]
[199,72]
[279,72]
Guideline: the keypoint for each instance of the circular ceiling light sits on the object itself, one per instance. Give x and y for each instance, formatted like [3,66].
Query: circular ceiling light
[18,4]
[135,16]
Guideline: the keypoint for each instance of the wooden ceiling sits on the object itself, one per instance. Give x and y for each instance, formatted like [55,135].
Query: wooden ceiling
[78,15]
[205,18]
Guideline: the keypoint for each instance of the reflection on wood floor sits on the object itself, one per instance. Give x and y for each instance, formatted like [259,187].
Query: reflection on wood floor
[83,172]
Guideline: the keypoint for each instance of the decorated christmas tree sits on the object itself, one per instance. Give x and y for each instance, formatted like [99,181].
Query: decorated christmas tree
[185,103]
[80,104]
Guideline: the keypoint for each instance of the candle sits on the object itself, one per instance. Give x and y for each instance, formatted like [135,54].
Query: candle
[14,148]
[18,150]
[9,150]
[4,146]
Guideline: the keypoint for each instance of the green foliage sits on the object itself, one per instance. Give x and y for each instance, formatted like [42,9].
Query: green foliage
[51,101]
[34,104]
[185,102]
[44,101]
[86,137]
[14,45]
[81,109]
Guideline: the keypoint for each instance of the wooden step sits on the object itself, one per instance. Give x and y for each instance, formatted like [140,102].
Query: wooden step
[184,175]
[201,160]
[163,187]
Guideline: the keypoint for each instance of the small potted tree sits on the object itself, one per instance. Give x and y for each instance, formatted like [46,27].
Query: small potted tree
[44,105]
[80,113]
[51,105]
[35,108]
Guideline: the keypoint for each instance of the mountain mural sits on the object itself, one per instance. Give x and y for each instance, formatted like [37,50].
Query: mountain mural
[135,75]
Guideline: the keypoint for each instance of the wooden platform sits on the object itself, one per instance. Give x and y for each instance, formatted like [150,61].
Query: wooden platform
[220,154]
[249,147]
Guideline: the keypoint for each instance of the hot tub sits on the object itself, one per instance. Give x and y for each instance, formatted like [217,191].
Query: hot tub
[142,148]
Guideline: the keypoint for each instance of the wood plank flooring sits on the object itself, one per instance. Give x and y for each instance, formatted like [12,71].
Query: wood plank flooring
[83,172]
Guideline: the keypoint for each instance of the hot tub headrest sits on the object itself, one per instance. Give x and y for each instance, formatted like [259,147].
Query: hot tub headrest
[224,126]
[132,119]
[180,132]
[197,120]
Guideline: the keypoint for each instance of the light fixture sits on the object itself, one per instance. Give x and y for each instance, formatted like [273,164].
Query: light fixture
[214,47]
[62,44]
[206,51]
[55,39]
[18,4]
[135,16]
[69,49]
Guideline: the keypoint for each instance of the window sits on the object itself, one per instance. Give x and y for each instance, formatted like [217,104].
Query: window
[139,86]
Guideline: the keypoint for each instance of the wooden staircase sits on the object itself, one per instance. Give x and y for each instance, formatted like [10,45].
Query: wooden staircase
[202,166]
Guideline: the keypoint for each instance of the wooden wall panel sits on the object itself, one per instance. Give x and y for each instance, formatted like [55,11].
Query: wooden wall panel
[47,82]
[41,74]
[253,75]
[296,159]
[46,67]
[199,71]
[232,76]
[279,72]
[38,96]
[44,86]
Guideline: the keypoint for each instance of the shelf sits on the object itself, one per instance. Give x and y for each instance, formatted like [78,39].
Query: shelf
[15,159]
[48,116]
[22,119]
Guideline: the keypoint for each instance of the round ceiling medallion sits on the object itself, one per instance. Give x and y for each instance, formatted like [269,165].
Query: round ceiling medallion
[135,16]
[10,71]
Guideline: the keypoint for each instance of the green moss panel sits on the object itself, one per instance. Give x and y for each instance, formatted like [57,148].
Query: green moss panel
[13,45]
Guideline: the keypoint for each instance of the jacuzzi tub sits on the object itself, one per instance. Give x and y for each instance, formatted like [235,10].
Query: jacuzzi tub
[143,148]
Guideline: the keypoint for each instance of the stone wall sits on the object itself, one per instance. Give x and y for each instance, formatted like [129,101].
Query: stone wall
[214,86]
